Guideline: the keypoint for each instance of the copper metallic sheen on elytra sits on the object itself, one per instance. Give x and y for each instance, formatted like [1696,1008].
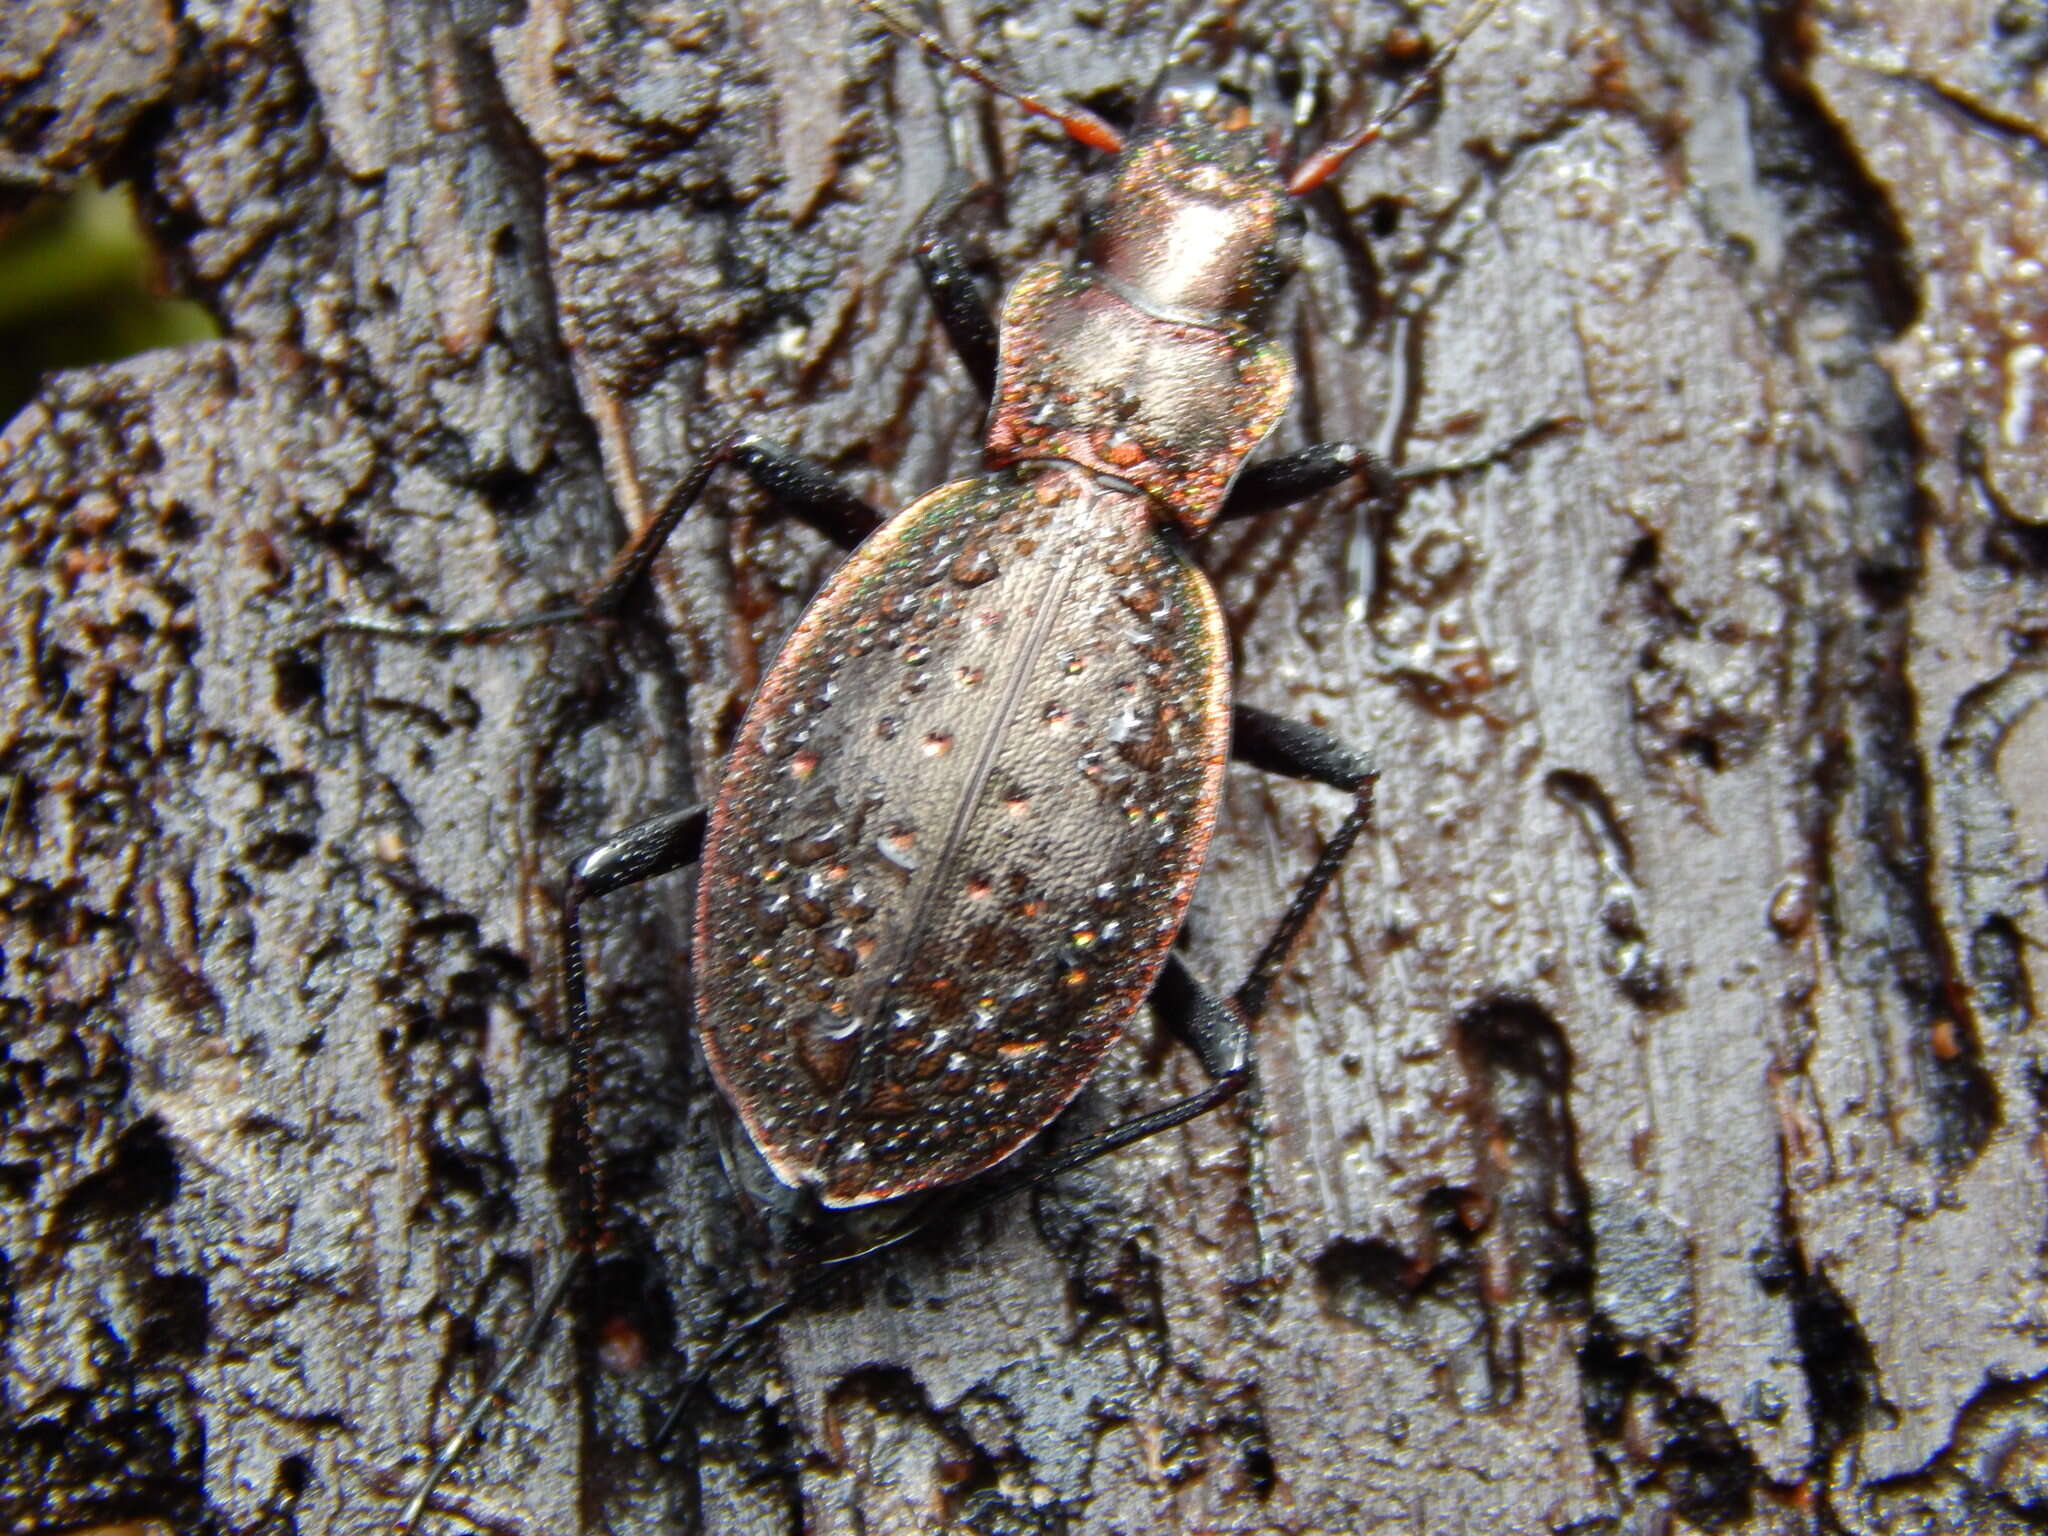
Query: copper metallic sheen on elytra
[876,1051]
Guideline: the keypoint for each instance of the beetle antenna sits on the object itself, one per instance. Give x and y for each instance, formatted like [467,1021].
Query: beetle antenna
[1323,164]
[1081,125]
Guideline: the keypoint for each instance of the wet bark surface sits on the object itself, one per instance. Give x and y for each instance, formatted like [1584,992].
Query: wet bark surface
[1649,1133]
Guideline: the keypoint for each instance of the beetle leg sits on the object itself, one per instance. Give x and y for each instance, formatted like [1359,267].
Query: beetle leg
[1295,477]
[1218,1030]
[799,487]
[1251,994]
[1500,453]
[963,310]
[494,1392]
[1296,749]
[658,846]
[805,490]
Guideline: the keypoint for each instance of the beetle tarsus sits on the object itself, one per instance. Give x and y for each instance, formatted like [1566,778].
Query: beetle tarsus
[1254,991]
[736,1338]
[1502,452]
[497,1389]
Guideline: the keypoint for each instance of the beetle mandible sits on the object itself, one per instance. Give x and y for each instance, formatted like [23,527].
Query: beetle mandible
[961,823]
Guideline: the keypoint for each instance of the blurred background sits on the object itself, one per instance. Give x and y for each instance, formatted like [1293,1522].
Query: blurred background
[80,284]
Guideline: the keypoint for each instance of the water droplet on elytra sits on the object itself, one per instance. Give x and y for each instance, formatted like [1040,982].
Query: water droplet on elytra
[896,845]
[815,845]
[804,764]
[937,744]
[1140,597]
[824,1044]
[916,654]
[887,727]
[973,566]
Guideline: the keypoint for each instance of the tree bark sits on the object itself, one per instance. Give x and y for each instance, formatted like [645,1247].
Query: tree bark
[1650,1133]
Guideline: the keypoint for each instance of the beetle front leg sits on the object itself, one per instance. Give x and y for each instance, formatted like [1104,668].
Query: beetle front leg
[963,310]
[797,486]
[1306,472]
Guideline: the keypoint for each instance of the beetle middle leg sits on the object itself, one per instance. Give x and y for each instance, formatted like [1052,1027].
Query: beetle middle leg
[1218,1030]
[797,486]
[1290,478]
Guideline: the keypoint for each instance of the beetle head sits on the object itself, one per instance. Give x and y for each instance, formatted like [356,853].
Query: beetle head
[1197,220]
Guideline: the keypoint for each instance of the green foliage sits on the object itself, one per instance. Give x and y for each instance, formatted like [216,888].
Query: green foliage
[79,284]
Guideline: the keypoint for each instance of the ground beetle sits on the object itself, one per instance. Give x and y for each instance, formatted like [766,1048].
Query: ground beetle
[955,839]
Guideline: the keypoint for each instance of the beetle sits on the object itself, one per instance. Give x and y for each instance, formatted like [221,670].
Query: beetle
[961,823]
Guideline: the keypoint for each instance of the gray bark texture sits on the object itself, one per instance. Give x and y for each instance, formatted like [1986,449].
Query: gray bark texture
[1650,1132]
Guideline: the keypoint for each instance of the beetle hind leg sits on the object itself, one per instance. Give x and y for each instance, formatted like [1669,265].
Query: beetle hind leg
[658,846]
[496,1390]
[1216,1029]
